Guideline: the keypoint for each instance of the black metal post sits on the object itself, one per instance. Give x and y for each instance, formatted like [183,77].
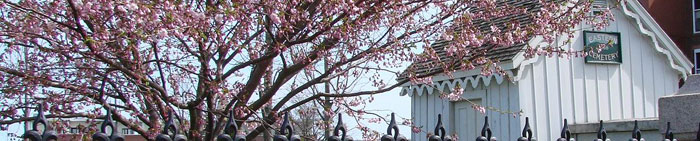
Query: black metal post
[170,125]
[565,133]
[230,130]
[486,132]
[602,134]
[636,133]
[340,127]
[527,132]
[392,127]
[440,134]
[34,135]
[669,134]
[697,137]
[286,131]
[102,135]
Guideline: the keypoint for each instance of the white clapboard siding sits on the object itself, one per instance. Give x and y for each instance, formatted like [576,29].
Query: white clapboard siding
[552,89]
[527,99]
[626,75]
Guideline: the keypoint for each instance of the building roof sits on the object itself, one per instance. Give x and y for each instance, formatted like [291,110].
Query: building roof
[629,9]
[489,51]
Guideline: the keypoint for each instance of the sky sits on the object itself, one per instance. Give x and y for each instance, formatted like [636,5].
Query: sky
[386,103]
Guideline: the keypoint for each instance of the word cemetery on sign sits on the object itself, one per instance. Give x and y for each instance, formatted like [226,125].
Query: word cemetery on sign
[611,49]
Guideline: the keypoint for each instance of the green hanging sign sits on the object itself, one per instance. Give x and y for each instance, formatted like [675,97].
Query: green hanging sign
[611,53]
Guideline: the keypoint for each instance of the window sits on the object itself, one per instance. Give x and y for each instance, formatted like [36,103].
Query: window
[696,16]
[74,130]
[697,61]
[599,6]
[127,131]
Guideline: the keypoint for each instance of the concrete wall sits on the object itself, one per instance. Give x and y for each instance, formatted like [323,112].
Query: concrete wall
[681,109]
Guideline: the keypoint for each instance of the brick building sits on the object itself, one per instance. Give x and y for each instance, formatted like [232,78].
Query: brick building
[680,19]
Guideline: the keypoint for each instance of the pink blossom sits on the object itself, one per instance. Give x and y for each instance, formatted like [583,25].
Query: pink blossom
[374,120]
[407,122]
[415,129]
[479,108]
[121,9]
[275,19]
[456,94]
[455,137]
[162,33]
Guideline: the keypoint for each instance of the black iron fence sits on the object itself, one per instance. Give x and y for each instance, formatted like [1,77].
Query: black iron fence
[170,132]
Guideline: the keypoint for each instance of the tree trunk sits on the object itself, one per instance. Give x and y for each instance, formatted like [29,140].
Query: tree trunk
[194,134]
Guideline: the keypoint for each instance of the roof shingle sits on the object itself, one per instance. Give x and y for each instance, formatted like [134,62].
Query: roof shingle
[491,51]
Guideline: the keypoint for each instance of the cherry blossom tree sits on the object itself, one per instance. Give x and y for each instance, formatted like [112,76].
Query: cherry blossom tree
[142,60]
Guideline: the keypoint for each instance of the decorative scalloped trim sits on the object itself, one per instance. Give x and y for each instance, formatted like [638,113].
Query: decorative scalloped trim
[474,80]
[640,27]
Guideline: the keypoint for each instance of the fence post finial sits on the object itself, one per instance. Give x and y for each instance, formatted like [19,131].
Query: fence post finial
[340,127]
[170,125]
[40,118]
[114,135]
[439,129]
[636,132]
[669,134]
[486,132]
[565,133]
[392,127]
[34,134]
[602,134]
[527,132]
[697,138]
[285,127]
[440,133]
[107,122]
[230,130]
[286,131]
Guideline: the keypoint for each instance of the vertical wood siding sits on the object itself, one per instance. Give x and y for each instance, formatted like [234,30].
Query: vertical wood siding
[556,88]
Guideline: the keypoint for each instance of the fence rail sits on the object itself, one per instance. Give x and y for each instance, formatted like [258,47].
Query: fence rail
[286,132]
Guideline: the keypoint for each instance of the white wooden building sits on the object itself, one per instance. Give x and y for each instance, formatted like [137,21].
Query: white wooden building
[548,90]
